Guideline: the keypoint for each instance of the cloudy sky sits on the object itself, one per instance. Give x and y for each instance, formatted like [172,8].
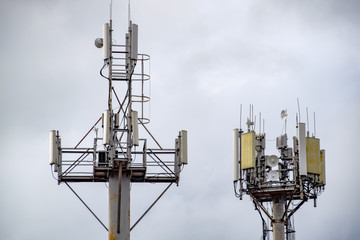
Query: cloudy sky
[207,58]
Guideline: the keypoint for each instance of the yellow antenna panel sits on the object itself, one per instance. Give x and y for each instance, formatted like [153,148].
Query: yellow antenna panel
[248,150]
[313,155]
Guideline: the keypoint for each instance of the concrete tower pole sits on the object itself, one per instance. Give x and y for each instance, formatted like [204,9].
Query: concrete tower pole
[278,223]
[119,205]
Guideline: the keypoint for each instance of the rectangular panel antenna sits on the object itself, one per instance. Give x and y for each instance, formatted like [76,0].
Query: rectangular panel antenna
[53,148]
[281,141]
[302,148]
[117,120]
[322,164]
[248,150]
[183,147]
[134,41]
[106,127]
[313,155]
[106,40]
[177,158]
[236,155]
[135,127]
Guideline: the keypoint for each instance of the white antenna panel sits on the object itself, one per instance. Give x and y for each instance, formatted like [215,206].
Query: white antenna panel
[106,41]
[302,148]
[281,141]
[106,127]
[236,155]
[135,127]
[53,148]
[183,147]
[272,160]
[273,175]
[134,41]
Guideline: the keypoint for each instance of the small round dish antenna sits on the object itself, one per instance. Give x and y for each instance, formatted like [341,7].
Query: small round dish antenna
[273,175]
[99,42]
[272,160]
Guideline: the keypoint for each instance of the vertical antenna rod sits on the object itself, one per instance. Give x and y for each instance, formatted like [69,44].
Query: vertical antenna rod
[110,9]
[129,14]
[314,126]
[252,115]
[263,125]
[285,124]
[260,122]
[307,122]
[240,114]
[298,108]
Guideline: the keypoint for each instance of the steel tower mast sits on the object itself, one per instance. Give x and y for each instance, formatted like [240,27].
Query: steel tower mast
[119,156]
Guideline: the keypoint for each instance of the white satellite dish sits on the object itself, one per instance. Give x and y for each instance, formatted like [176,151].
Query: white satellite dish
[272,160]
[283,114]
[273,175]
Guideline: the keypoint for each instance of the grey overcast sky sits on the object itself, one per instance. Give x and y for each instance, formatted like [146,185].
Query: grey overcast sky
[207,58]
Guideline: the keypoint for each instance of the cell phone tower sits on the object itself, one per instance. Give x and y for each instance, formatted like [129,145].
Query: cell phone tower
[119,156]
[278,185]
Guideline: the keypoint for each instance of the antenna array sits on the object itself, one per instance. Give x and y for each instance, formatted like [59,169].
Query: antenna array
[120,156]
[296,175]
